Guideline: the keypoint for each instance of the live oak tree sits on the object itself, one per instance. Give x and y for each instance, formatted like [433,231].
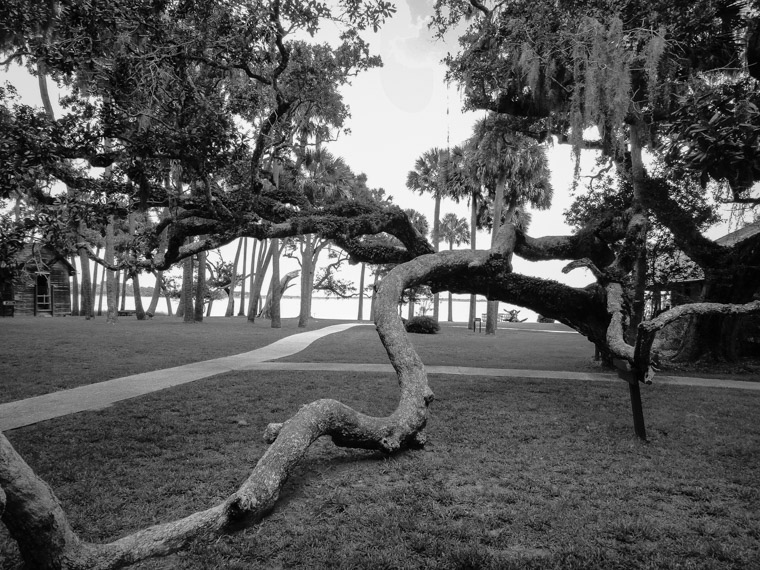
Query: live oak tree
[169,83]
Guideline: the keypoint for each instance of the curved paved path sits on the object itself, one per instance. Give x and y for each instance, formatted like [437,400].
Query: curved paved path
[103,394]
[97,396]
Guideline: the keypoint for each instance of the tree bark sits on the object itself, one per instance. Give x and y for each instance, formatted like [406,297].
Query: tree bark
[265,258]
[75,290]
[200,287]
[241,311]
[360,316]
[275,285]
[492,308]
[436,243]
[233,283]
[188,313]
[473,239]
[307,279]
[112,286]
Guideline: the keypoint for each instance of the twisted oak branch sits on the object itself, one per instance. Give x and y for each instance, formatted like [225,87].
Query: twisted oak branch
[36,520]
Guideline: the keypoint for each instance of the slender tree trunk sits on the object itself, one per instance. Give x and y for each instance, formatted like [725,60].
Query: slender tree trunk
[112,285]
[100,295]
[360,316]
[307,283]
[251,279]
[123,299]
[410,313]
[94,290]
[139,311]
[436,244]
[492,310]
[159,275]
[75,290]
[639,276]
[473,235]
[241,311]
[208,308]
[372,312]
[265,258]
[168,302]
[233,283]
[275,286]
[200,287]
[188,314]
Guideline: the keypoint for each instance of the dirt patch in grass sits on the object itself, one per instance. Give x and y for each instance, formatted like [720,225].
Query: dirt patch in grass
[40,355]
[518,474]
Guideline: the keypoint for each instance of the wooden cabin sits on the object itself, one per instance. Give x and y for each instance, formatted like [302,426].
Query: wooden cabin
[41,286]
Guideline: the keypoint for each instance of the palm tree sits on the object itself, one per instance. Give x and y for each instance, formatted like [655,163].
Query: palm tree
[429,176]
[464,182]
[515,170]
[455,231]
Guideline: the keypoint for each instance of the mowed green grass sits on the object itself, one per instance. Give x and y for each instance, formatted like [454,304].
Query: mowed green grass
[517,474]
[522,346]
[41,355]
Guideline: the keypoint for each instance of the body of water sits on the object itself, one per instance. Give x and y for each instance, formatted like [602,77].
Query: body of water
[348,309]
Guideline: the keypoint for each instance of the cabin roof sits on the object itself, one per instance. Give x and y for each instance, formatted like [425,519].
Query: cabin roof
[741,234]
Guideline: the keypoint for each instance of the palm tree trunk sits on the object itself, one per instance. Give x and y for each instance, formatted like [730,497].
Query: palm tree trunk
[102,289]
[251,280]
[436,245]
[123,299]
[241,311]
[473,234]
[451,302]
[492,311]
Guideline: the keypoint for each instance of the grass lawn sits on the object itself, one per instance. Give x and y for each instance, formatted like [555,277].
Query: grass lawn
[524,346]
[518,474]
[40,355]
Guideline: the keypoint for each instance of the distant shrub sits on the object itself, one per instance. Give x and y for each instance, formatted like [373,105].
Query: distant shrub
[422,325]
[542,319]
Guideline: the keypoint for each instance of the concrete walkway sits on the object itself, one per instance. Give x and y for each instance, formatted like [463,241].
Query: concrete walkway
[98,396]
[103,394]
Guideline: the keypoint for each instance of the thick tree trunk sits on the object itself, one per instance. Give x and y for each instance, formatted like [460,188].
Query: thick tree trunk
[233,283]
[360,316]
[87,296]
[241,311]
[94,290]
[153,305]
